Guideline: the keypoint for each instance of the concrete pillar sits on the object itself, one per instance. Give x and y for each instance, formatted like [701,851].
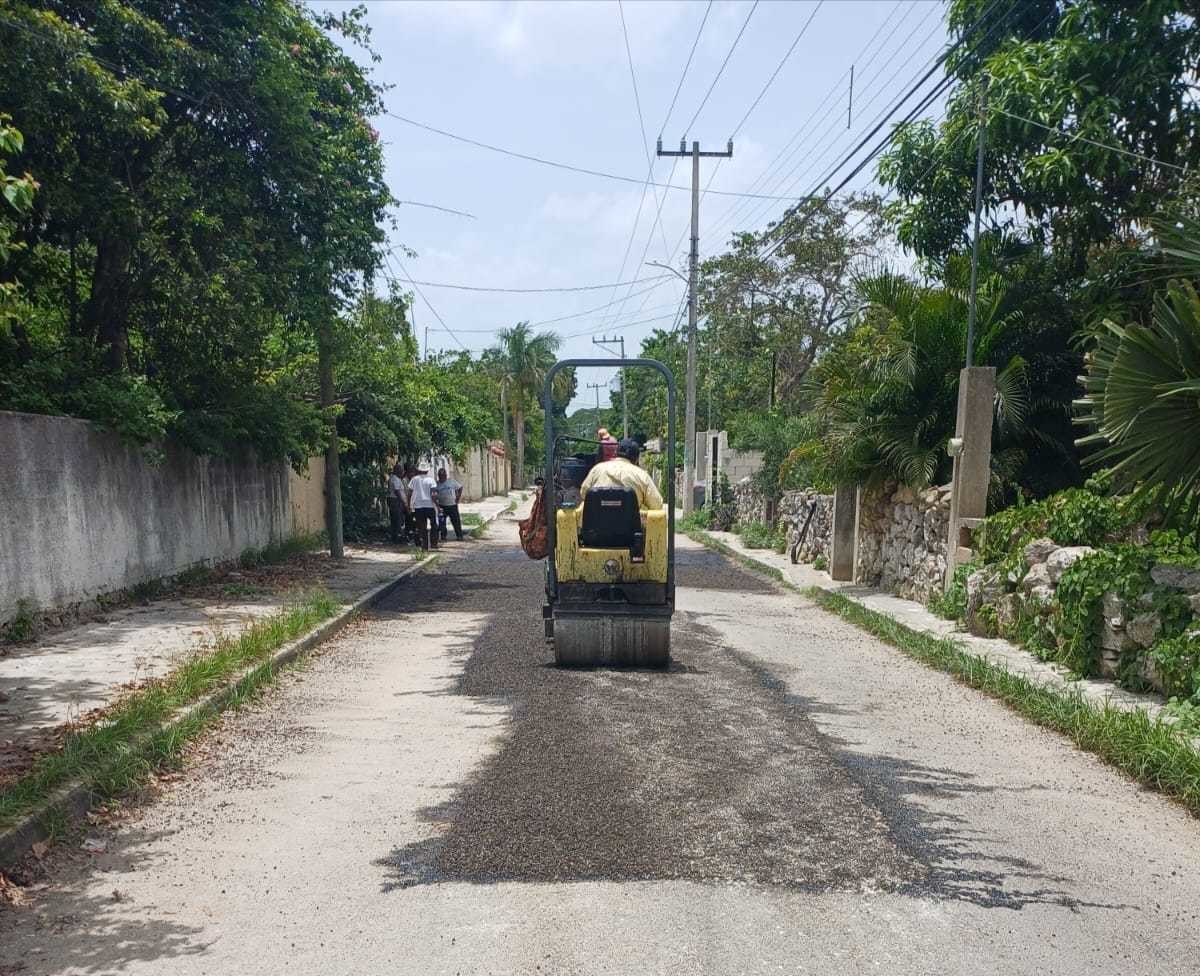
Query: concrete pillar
[973,463]
[841,547]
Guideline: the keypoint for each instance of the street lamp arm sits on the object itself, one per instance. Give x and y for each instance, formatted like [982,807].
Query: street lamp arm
[666,267]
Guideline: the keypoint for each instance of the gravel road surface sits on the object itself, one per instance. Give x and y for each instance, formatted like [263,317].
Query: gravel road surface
[431,796]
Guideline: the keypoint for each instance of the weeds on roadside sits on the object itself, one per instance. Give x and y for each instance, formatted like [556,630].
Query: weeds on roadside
[116,752]
[22,626]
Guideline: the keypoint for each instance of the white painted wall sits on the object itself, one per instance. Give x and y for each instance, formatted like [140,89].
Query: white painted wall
[82,513]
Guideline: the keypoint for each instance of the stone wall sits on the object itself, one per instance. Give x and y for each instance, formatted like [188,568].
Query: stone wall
[900,534]
[901,540]
[751,504]
[793,513]
[83,513]
[996,604]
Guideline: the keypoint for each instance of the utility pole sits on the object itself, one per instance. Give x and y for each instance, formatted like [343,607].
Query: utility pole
[689,443]
[604,343]
[975,236]
[597,387]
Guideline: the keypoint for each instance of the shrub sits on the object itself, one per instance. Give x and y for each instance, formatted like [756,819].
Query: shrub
[757,535]
[952,604]
[1177,660]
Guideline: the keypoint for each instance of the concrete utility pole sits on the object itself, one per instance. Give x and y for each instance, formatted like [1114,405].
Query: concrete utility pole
[689,443]
[604,343]
[597,387]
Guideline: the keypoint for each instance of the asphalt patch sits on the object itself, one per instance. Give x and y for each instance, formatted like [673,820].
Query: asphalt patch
[703,771]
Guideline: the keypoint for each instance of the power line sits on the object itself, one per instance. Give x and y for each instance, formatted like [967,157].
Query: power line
[536,291]
[833,132]
[657,223]
[778,68]
[938,89]
[541,160]
[417,287]
[434,206]
[1076,137]
[726,219]
[495,329]
[687,64]
[721,70]
[600,308]
[637,100]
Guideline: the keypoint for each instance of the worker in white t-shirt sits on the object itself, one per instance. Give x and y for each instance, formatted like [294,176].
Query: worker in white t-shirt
[420,502]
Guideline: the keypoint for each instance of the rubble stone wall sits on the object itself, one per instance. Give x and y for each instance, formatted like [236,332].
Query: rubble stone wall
[902,537]
[902,534]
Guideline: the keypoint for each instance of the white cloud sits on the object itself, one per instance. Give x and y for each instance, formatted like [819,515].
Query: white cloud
[533,36]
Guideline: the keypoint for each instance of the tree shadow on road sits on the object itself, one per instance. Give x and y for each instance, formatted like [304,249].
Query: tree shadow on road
[89,924]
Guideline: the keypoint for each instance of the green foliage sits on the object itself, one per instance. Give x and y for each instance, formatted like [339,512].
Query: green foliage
[520,364]
[886,396]
[1177,661]
[820,563]
[697,518]
[202,213]
[16,201]
[1142,392]
[137,733]
[952,603]
[757,535]
[722,507]
[1070,70]
[769,316]
[1074,517]
[23,624]
[1123,569]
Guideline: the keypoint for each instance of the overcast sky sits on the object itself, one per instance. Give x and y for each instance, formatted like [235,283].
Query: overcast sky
[553,80]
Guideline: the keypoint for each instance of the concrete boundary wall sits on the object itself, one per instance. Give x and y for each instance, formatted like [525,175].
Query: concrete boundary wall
[83,513]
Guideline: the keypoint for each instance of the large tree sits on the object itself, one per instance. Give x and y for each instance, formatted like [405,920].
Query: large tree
[775,299]
[212,195]
[1091,116]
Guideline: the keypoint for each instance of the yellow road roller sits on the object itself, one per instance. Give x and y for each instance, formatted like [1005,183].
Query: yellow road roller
[610,567]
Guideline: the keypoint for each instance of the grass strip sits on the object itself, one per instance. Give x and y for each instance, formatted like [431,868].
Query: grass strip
[752,564]
[1150,750]
[117,751]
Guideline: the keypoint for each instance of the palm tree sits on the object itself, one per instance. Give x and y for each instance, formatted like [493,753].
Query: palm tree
[523,359]
[887,395]
[1142,388]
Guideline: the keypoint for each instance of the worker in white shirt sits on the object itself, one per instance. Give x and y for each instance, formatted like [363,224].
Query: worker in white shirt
[420,502]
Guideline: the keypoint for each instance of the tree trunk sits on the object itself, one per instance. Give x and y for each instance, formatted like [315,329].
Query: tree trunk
[519,423]
[333,476]
[508,458]
[106,315]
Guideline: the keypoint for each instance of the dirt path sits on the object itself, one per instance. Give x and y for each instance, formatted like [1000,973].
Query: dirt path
[430,796]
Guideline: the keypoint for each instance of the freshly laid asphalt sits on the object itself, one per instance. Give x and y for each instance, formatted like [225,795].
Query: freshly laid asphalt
[431,795]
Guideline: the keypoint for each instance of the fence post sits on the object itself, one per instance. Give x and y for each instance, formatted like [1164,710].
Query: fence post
[972,450]
[841,546]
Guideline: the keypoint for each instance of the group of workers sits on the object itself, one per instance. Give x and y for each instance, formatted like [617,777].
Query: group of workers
[419,506]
